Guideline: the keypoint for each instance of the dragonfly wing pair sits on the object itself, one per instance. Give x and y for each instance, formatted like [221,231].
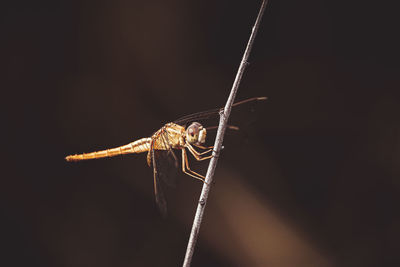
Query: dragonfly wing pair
[165,160]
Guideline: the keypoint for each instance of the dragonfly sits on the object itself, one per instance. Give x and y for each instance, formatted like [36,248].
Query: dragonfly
[185,134]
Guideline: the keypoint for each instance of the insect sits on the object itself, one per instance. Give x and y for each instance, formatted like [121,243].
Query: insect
[172,136]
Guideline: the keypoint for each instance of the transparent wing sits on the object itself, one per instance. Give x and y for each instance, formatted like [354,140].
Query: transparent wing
[158,192]
[167,161]
[213,113]
[164,164]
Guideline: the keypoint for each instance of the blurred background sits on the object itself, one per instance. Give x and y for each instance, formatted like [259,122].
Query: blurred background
[311,180]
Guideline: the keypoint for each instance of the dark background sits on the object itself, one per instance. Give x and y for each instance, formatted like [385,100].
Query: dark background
[313,181]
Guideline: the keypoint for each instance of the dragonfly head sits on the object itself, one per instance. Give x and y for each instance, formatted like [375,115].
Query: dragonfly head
[196,133]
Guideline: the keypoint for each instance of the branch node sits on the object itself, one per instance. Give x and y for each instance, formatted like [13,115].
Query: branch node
[202,202]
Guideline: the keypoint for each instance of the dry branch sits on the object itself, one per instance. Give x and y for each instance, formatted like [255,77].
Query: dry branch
[223,122]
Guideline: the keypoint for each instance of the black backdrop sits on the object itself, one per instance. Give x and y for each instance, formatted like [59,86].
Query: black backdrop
[314,181]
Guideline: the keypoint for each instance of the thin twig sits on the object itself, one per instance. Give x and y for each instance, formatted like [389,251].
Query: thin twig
[223,121]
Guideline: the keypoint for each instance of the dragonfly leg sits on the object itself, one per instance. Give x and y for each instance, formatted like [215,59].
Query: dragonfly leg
[209,149]
[185,165]
[204,152]
[196,154]
[204,147]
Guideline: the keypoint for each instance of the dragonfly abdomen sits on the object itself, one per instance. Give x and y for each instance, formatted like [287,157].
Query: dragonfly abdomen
[138,146]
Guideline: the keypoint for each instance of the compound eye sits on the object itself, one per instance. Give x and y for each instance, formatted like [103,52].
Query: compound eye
[193,129]
[192,132]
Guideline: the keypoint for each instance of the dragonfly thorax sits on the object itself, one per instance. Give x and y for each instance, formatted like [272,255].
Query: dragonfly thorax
[196,133]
